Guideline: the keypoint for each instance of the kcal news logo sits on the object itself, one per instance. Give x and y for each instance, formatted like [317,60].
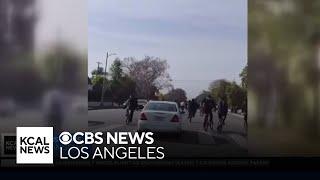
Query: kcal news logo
[34,145]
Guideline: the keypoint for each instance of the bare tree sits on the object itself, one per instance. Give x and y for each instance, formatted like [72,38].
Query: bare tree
[176,95]
[150,75]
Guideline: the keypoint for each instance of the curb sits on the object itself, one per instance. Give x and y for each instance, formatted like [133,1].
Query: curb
[103,107]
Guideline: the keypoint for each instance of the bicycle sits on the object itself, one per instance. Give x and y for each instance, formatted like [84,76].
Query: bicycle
[207,123]
[129,115]
[222,119]
[201,111]
[191,115]
[245,123]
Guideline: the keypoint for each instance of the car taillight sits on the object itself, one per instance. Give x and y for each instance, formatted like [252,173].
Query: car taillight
[175,119]
[143,116]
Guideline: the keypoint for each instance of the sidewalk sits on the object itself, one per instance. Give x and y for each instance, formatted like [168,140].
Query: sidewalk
[237,114]
[103,107]
[106,105]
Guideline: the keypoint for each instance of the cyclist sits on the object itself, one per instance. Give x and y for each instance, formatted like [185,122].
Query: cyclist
[188,106]
[192,108]
[131,106]
[208,105]
[201,108]
[178,105]
[182,104]
[245,118]
[222,113]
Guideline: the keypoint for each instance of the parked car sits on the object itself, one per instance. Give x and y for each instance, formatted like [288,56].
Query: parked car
[160,116]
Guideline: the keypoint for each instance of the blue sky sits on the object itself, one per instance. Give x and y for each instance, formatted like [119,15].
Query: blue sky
[202,40]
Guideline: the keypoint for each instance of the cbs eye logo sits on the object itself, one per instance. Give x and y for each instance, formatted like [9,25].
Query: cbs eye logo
[65,138]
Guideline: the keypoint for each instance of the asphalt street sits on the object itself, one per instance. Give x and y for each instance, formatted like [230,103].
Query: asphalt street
[194,142]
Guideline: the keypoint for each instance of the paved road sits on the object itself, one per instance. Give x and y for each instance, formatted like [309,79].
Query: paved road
[194,141]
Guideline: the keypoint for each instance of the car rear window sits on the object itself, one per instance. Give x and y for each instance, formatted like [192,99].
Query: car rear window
[161,107]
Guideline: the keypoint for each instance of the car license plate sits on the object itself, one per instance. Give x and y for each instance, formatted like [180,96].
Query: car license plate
[158,118]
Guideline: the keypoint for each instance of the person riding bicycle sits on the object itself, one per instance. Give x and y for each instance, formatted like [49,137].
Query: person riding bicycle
[208,105]
[201,108]
[245,113]
[188,106]
[178,105]
[131,106]
[182,106]
[222,110]
[192,108]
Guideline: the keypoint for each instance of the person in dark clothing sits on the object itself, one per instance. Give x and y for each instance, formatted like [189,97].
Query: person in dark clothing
[192,108]
[178,105]
[131,106]
[245,118]
[188,105]
[222,112]
[208,105]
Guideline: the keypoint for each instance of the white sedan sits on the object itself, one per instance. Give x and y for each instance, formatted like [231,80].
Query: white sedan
[160,116]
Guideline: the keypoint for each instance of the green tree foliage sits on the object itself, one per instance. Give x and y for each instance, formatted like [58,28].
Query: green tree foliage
[122,90]
[235,96]
[98,80]
[284,81]
[98,71]
[122,86]
[244,77]
[219,88]
[116,71]
[231,91]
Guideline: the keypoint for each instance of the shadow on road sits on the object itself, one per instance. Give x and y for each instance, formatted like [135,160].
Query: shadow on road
[95,123]
[244,135]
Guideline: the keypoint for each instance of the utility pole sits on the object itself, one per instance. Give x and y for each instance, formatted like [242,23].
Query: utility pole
[105,78]
[99,65]
[98,68]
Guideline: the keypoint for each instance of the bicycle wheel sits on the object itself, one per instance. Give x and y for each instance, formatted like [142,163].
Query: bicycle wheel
[127,118]
[205,125]
[211,124]
[220,125]
[189,117]
[246,127]
[219,129]
[224,119]
[131,116]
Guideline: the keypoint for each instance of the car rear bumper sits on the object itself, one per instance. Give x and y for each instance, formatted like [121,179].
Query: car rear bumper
[158,126]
